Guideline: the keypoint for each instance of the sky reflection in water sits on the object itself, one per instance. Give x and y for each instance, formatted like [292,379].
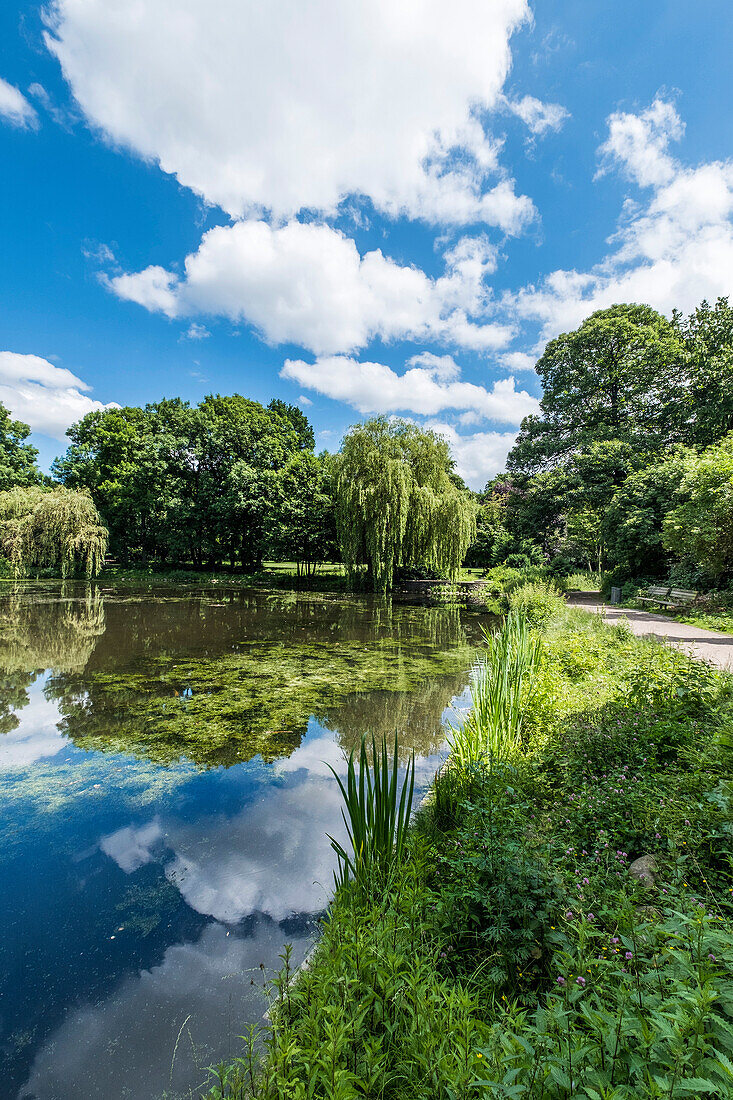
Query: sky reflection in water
[142,889]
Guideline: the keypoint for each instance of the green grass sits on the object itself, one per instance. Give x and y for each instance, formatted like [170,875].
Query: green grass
[514,955]
[583,582]
[721,621]
[501,685]
[274,573]
[714,611]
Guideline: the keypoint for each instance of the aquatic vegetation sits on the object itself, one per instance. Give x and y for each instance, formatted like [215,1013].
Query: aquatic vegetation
[418,715]
[376,816]
[500,687]
[229,680]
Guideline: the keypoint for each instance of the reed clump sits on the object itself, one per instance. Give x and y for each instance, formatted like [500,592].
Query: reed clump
[376,815]
[501,687]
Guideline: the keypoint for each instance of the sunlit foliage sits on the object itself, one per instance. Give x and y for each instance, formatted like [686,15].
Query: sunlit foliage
[51,528]
[397,504]
[700,528]
[17,458]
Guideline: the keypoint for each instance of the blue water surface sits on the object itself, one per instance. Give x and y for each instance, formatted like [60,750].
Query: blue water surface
[144,904]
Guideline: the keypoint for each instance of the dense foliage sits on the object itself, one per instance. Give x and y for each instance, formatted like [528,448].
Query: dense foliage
[56,529]
[17,458]
[397,503]
[220,482]
[699,528]
[516,952]
[624,469]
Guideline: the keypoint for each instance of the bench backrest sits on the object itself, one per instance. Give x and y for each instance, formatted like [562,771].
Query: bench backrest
[658,591]
[682,594]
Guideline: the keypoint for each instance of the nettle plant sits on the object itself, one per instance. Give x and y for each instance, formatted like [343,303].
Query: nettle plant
[644,1012]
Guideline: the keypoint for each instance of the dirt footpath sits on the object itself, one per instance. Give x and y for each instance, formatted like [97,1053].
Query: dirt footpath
[706,645]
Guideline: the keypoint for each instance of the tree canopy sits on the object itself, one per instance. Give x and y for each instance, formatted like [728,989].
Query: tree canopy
[706,389]
[631,401]
[397,503]
[180,483]
[699,529]
[51,528]
[615,377]
[17,458]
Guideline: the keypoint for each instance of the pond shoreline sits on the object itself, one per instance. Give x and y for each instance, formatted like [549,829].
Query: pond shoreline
[519,935]
[164,775]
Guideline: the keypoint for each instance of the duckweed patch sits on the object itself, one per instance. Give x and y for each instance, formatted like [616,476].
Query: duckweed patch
[224,710]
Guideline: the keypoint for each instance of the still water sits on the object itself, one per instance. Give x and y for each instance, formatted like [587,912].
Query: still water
[164,804]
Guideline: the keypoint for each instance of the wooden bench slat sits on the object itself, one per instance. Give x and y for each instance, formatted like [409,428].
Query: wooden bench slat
[668,597]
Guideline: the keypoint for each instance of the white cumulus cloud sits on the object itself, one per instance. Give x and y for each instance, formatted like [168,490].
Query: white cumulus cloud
[50,399]
[15,108]
[640,143]
[478,456]
[671,250]
[537,116]
[376,388]
[307,284]
[287,106]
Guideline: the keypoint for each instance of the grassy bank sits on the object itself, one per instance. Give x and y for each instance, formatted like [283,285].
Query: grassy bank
[713,612]
[514,953]
[328,576]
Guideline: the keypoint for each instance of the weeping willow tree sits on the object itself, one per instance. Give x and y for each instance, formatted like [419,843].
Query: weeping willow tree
[397,504]
[51,528]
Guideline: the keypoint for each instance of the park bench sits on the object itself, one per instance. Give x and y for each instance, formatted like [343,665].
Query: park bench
[678,597]
[656,595]
[669,597]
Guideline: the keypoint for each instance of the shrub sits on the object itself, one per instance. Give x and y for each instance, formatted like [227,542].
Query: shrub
[538,601]
[503,578]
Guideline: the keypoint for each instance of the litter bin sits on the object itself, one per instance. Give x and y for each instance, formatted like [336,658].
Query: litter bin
[615,595]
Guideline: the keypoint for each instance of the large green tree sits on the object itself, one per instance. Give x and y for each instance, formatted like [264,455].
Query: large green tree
[305,525]
[397,503]
[116,456]
[17,458]
[632,523]
[699,529]
[181,483]
[707,387]
[616,377]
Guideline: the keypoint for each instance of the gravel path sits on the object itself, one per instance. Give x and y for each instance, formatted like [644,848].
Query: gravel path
[706,645]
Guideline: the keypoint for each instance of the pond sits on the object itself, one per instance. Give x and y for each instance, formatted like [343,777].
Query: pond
[164,804]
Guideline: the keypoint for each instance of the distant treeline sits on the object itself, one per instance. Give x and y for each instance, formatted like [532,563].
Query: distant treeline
[226,481]
[628,468]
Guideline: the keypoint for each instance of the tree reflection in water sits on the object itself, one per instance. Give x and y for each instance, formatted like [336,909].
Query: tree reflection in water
[220,678]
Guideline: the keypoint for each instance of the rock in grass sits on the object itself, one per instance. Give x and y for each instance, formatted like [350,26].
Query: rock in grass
[644,870]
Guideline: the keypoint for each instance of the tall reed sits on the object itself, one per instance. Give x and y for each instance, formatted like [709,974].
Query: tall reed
[376,818]
[500,686]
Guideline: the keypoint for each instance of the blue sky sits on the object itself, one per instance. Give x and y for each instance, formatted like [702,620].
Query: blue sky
[374,207]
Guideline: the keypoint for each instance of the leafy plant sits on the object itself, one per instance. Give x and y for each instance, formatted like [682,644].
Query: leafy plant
[376,818]
[537,601]
[500,685]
